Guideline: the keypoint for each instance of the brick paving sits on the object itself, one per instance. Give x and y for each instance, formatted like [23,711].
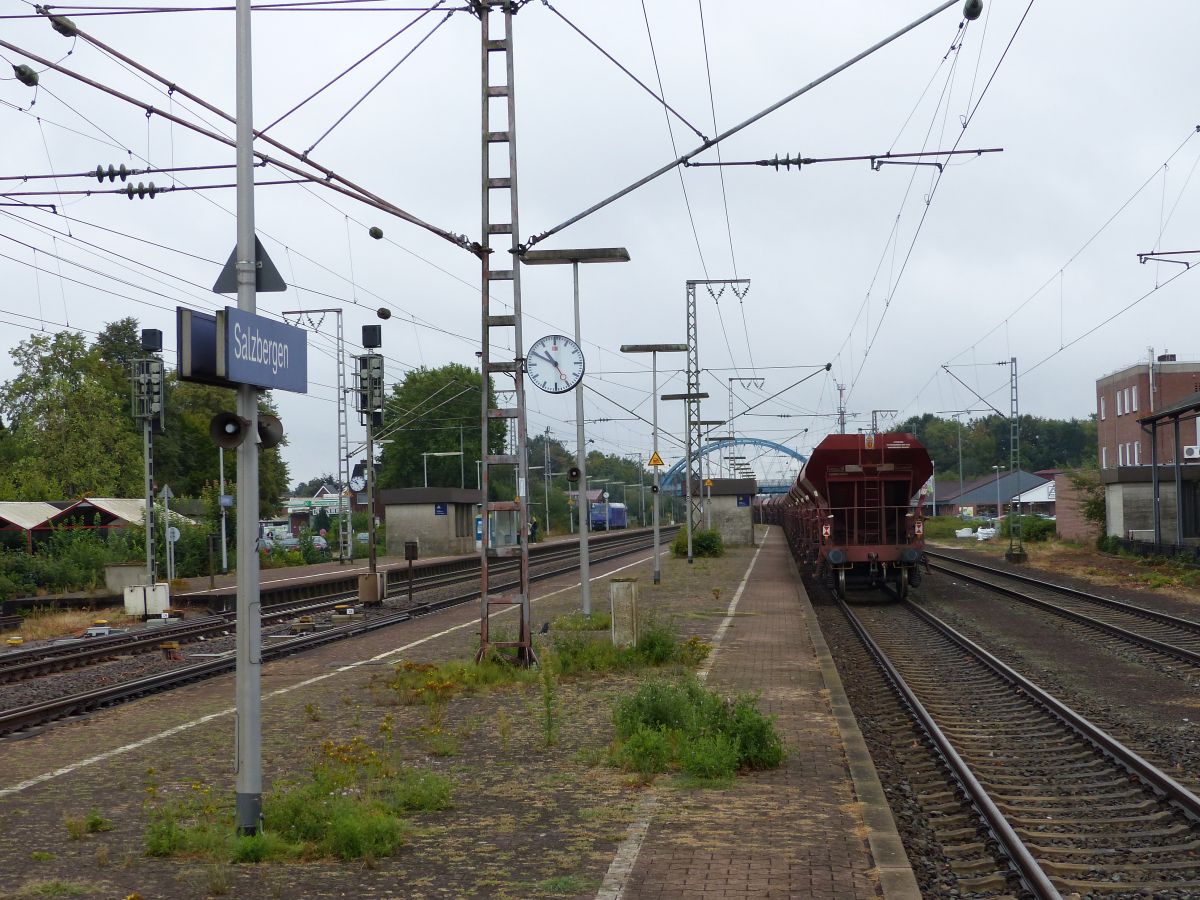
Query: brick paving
[798,831]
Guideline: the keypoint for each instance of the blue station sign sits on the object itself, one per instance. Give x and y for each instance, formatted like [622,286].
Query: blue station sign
[252,349]
[439,509]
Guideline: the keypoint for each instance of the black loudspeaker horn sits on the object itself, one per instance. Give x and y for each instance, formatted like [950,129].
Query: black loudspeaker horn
[270,431]
[228,430]
[573,473]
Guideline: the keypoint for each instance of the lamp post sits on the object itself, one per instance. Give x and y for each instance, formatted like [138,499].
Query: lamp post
[575,258]
[707,469]
[998,470]
[654,350]
[954,414]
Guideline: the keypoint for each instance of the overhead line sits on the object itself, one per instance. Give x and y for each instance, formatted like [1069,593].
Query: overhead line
[537,238]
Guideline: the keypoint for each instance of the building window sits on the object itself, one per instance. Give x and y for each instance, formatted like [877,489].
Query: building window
[1102,416]
[1120,454]
[1127,407]
[1119,410]
[1134,407]
[1137,450]
[1104,457]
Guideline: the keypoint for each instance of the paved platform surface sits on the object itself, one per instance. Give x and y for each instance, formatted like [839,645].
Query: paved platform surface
[818,827]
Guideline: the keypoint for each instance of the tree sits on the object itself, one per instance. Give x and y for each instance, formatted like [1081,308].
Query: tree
[70,433]
[186,458]
[436,411]
[309,488]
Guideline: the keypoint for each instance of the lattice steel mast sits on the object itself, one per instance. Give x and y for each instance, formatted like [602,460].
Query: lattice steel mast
[501,274]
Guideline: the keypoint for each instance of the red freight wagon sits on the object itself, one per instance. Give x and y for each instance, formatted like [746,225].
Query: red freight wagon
[850,516]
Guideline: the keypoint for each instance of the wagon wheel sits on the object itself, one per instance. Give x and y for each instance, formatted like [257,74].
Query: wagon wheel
[902,583]
[841,584]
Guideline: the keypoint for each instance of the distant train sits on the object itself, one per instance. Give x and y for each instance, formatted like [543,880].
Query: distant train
[606,516]
[851,519]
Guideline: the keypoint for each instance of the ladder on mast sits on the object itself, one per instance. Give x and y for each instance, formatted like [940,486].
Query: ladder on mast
[502,273]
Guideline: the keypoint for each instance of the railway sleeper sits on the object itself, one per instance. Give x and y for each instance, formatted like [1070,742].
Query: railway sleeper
[1083,837]
[1189,847]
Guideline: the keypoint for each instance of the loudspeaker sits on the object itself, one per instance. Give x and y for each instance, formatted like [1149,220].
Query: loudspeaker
[573,473]
[228,430]
[270,431]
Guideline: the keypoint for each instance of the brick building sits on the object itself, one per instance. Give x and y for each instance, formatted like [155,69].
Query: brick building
[1125,454]
[1136,391]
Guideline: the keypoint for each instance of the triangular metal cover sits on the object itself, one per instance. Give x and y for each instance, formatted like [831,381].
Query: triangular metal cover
[267,278]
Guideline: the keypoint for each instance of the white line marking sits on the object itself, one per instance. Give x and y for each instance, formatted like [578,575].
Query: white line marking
[619,870]
[117,751]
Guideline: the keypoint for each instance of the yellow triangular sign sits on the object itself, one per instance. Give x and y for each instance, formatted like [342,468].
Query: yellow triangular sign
[656,460]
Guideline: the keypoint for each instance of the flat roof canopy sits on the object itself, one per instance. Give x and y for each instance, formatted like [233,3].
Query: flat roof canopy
[588,255]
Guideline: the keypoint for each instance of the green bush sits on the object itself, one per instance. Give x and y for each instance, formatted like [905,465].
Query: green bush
[1034,529]
[706,542]
[710,756]
[702,733]
[646,751]
[657,644]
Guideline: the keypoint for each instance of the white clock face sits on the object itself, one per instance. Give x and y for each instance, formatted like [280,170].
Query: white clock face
[357,483]
[555,363]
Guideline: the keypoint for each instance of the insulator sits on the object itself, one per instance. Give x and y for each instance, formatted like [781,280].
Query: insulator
[100,173]
[375,231]
[123,172]
[64,26]
[972,9]
[26,75]
[141,190]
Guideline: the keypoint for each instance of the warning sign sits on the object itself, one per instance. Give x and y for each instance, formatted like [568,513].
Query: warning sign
[708,482]
[656,460]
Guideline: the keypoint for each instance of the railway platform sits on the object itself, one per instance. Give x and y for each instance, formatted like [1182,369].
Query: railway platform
[818,827]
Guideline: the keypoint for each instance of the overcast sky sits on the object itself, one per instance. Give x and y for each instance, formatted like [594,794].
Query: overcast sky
[1015,253]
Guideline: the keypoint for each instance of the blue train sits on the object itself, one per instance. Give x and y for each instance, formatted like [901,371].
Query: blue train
[608,515]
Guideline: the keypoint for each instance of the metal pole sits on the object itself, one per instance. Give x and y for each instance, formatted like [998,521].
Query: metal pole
[934,483]
[585,584]
[424,458]
[249,625]
[462,460]
[546,476]
[960,469]
[148,453]
[167,538]
[1178,487]
[654,492]
[1155,484]
[371,502]
[224,543]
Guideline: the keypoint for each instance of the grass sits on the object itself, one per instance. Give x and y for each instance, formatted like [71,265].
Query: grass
[41,856]
[565,885]
[577,621]
[681,726]
[43,623]
[353,805]
[92,823]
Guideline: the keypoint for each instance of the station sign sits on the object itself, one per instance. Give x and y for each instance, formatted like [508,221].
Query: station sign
[743,499]
[253,349]
[439,509]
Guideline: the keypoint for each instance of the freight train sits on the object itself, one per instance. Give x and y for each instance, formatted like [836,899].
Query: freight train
[851,518]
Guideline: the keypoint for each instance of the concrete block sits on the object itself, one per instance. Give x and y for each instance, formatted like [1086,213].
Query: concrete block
[623,608]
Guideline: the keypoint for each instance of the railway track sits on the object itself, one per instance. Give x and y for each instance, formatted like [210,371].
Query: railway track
[1167,637]
[35,714]
[18,665]
[1066,807]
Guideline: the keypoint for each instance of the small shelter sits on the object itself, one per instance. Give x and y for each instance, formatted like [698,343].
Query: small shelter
[730,504]
[23,517]
[440,519]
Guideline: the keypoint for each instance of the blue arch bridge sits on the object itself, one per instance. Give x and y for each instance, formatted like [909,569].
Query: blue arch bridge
[672,481]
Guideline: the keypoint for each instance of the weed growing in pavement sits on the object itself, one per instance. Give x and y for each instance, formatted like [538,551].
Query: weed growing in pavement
[440,743]
[577,621]
[352,805]
[665,726]
[503,727]
[566,885]
[93,823]
[312,712]
[101,856]
[41,856]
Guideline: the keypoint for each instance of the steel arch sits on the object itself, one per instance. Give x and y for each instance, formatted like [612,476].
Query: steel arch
[672,476]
